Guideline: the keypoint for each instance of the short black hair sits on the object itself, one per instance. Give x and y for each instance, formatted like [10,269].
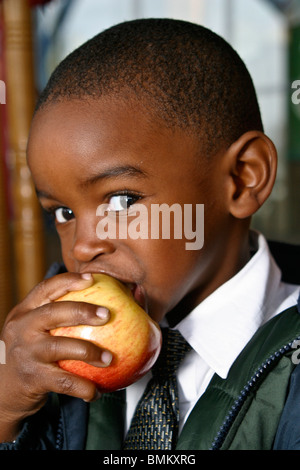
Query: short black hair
[188,75]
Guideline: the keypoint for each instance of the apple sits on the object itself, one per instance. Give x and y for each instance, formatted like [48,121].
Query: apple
[133,338]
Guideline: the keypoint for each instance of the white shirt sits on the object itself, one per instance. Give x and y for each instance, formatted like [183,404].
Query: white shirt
[221,326]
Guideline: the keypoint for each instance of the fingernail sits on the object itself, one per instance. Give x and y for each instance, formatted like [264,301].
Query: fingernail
[95,397]
[86,276]
[106,357]
[98,395]
[102,312]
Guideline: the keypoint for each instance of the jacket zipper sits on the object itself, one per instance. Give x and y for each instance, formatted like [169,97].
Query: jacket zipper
[60,433]
[224,429]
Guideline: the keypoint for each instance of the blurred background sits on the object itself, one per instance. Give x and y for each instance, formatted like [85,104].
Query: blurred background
[35,35]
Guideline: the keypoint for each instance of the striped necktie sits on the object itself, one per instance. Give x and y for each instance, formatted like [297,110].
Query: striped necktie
[155,422]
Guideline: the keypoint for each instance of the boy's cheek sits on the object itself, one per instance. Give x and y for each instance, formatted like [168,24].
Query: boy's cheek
[164,268]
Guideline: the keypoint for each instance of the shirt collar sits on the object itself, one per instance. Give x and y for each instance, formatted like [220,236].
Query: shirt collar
[224,322]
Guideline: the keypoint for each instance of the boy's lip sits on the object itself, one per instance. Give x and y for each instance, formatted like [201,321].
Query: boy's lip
[139,295]
[137,290]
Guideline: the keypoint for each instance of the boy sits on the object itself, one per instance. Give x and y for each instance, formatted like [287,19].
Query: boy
[154,112]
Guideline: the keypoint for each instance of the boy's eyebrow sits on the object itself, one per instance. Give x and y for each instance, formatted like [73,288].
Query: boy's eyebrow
[121,170]
[43,194]
[116,171]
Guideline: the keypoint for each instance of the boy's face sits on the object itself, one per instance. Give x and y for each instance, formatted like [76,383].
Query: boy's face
[84,154]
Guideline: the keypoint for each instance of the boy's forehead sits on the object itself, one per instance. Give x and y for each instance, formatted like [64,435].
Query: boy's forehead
[106,128]
[85,122]
[86,126]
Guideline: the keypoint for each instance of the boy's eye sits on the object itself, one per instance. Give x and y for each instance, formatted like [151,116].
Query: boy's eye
[63,215]
[121,202]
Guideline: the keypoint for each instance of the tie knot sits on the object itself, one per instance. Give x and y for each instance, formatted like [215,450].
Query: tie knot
[174,348]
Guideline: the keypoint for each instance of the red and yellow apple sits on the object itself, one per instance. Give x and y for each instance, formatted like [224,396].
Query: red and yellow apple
[133,338]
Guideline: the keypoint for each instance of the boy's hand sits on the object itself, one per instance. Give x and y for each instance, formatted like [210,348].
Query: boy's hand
[31,369]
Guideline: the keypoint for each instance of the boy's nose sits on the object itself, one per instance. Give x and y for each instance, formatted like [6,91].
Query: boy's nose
[87,246]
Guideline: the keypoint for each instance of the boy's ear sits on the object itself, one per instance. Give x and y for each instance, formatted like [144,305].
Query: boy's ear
[253,165]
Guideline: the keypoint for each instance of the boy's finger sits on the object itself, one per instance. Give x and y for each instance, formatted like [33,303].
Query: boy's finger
[55,287]
[58,348]
[65,383]
[69,313]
